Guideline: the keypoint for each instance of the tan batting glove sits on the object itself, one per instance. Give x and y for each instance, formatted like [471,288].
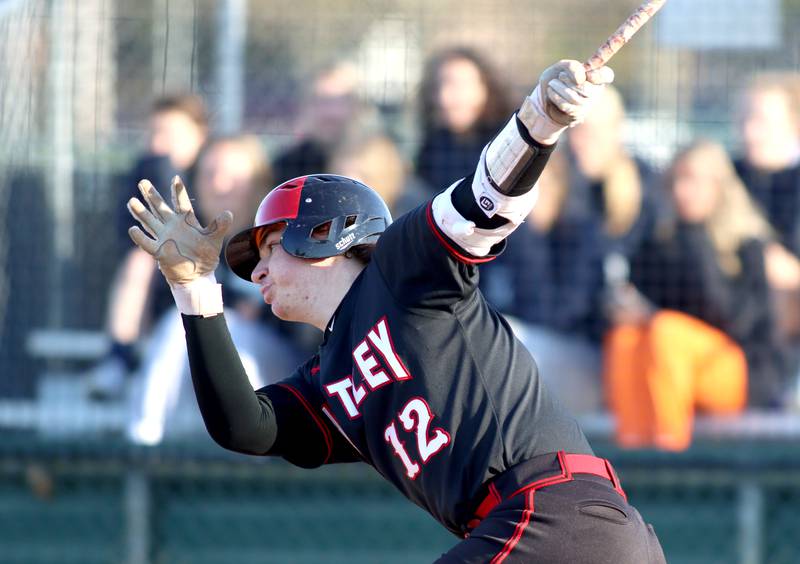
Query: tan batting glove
[184,249]
[564,95]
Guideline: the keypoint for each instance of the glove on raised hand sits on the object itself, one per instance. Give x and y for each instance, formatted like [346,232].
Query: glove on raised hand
[184,249]
[562,98]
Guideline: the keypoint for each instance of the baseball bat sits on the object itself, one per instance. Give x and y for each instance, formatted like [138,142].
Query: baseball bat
[619,38]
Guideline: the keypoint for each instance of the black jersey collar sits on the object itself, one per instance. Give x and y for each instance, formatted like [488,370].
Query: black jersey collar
[344,311]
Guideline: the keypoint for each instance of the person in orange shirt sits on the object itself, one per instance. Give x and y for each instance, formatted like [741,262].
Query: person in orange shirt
[695,320]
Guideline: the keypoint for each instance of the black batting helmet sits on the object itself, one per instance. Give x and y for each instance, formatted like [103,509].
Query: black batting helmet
[355,212]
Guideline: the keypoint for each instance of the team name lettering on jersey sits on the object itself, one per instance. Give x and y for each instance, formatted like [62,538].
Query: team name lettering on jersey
[351,396]
[377,344]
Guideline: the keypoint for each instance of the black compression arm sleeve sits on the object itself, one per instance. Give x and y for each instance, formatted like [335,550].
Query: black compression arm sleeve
[236,417]
[275,420]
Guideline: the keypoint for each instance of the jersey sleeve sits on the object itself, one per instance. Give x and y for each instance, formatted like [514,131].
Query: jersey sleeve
[422,266]
[305,436]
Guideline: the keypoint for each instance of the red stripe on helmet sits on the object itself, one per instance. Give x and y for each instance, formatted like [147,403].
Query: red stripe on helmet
[281,204]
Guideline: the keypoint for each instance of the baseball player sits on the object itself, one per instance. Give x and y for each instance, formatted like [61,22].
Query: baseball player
[417,375]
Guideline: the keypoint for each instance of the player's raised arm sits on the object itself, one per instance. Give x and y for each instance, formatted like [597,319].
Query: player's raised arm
[479,212]
[187,254]
[275,420]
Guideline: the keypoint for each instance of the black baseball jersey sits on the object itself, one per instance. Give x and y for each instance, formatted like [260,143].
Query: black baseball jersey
[419,377]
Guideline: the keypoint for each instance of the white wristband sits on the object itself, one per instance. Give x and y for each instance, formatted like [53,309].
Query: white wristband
[202,296]
[534,116]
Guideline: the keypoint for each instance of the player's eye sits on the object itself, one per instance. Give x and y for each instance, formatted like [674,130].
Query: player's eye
[267,249]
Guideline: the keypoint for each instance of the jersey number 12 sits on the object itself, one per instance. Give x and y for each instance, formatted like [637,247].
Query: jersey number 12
[416,415]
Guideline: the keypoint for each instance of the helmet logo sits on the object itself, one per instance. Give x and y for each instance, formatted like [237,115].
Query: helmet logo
[344,241]
[486,203]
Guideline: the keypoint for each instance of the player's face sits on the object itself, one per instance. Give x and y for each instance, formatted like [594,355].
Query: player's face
[293,287]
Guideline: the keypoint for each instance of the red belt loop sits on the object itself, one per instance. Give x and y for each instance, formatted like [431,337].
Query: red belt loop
[489,502]
[570,464]
[587,464]
[615,480]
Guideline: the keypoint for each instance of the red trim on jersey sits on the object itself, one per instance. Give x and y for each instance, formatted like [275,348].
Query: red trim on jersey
[282,203]
[326,435]
[459,255]
[327,411]
[314,370]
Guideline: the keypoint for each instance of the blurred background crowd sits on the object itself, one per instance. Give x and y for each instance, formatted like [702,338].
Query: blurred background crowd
[656,282]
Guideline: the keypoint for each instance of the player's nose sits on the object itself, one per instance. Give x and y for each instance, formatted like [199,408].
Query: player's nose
[260,271]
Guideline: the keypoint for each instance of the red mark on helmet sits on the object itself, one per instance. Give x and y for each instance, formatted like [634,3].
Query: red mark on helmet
[282,203]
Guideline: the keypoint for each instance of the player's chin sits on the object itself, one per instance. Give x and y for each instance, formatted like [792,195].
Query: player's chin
[280,312]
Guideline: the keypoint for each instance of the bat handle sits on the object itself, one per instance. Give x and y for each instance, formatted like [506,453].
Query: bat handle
[595,62]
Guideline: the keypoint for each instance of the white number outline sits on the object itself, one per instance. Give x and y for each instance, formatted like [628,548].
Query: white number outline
[427,445]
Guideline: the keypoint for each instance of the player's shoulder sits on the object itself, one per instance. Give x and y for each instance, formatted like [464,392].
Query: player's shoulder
[404,229]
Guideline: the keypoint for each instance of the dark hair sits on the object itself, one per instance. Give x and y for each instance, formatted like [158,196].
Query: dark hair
[362,253]
[498,107]
[189,104]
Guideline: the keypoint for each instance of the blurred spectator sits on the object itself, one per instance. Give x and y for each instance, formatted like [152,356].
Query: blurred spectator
[548,280]
[607,182]
[232,174]
[705,323]
[375,160]
[770,168]
[770,164]
[331,109]
[463,104]
[177,131]
[610,187]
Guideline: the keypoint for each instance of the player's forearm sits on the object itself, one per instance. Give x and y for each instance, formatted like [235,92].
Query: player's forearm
[508,169]
[484,209]
[235,416]
[513,161]
[502,186]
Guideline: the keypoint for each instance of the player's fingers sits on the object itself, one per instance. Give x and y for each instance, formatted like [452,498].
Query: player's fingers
[572,71]
[192,221]
[141,214]
[565,106]
[144,242]
[603,75]
[180,197]
[566,79]
[220,226]
[569,93]
[154,201]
